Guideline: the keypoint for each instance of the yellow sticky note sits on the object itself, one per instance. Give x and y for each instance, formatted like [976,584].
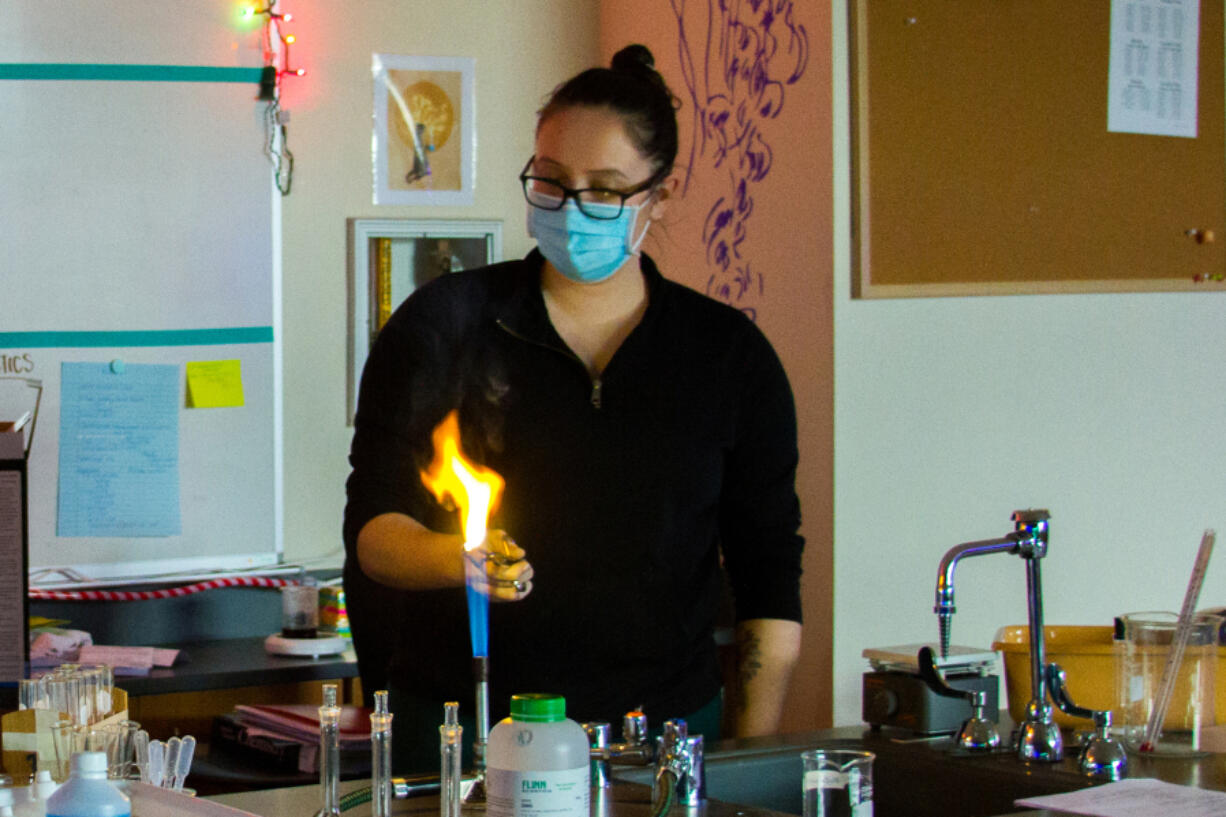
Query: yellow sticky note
[214,384]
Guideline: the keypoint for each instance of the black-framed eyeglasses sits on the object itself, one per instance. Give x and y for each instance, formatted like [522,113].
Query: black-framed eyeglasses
[593,202]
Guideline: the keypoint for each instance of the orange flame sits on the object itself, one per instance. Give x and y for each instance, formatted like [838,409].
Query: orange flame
[474,489]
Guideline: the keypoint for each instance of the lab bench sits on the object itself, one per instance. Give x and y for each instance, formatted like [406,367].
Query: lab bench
[927,778]
[910,779]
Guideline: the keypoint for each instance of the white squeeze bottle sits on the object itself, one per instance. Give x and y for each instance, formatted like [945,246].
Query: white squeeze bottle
[87,792]
[537,762]
[35,802]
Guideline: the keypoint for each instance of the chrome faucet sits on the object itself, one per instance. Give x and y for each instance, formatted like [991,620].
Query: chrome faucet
[1038,737]
[679,776]
[634,749]
[676,755]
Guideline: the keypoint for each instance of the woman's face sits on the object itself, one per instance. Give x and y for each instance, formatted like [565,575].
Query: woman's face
[585,147]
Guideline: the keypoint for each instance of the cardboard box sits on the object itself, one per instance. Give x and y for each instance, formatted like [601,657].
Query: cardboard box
[25,736]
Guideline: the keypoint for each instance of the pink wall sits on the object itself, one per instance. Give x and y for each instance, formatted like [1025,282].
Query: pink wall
[753,226]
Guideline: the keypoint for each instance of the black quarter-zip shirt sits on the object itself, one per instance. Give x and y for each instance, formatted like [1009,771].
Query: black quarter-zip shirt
[627,491]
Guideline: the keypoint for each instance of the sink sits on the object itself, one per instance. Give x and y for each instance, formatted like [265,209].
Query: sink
[761,778]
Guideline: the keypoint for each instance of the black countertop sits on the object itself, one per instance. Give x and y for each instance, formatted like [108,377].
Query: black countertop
[235,662]
[621,800]
[911,779]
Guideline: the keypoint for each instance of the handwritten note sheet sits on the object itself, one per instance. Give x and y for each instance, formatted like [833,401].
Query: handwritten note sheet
[214,383]
[119,450]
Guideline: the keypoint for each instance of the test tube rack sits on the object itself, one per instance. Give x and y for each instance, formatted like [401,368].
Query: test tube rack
[25,735]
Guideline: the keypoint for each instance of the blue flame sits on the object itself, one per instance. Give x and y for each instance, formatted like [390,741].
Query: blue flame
[478,611]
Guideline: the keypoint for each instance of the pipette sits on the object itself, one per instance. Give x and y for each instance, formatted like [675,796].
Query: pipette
[186,749]
[381,756]
[141,754]
[1179,641]
[173,747]
[329,754]
[157,762]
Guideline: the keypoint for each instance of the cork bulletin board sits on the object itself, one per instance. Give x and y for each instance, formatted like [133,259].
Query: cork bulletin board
[982,163]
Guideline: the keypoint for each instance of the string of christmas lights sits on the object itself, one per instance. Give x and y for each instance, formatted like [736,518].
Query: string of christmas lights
[276,66]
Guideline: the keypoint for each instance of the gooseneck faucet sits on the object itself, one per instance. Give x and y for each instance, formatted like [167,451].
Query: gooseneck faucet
[1038,736]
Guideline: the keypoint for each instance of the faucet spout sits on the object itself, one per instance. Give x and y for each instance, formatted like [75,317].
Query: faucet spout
[945,579]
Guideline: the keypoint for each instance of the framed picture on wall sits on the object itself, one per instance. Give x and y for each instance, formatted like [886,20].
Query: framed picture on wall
[389,258]
[424,139]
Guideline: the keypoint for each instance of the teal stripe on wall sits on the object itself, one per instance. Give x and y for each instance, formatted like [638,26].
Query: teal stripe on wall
[167,337]
[127,73]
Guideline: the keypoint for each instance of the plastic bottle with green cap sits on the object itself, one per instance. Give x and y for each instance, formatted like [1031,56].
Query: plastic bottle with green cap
[537,761]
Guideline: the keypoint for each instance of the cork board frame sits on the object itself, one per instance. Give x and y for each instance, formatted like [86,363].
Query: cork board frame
[982,164]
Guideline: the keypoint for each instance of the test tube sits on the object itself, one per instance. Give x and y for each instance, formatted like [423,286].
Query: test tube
[88,700]
[32,693]
[329,754]
[64,689]
[104,685]
[450,757]
[381,757]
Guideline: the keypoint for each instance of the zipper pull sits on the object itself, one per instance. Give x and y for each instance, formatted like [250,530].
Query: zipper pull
[596,393]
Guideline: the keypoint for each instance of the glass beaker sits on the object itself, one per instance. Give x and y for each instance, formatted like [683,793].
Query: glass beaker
[63,743]
[299,610]
[838,783]
[1149,639]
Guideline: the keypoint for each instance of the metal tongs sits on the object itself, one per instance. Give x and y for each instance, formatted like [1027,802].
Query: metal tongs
[496,549]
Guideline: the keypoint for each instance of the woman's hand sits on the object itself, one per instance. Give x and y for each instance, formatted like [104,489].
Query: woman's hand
[499,568]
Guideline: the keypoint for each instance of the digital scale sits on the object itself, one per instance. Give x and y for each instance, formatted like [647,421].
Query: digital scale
[894,694]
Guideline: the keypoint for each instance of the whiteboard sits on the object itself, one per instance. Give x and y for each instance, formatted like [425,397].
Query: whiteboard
[140,221]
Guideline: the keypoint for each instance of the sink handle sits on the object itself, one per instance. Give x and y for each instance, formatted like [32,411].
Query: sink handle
[1103,755]
[1057,682]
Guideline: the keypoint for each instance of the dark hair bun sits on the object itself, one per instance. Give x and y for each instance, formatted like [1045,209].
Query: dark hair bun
[634,90]
[635,59]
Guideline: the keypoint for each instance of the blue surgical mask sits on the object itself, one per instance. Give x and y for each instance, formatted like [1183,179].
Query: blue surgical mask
[586,250]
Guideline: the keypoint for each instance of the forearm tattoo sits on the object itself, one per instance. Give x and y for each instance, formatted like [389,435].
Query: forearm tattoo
[749,661]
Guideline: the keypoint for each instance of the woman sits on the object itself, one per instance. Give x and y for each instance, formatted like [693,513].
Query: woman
[646,434]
